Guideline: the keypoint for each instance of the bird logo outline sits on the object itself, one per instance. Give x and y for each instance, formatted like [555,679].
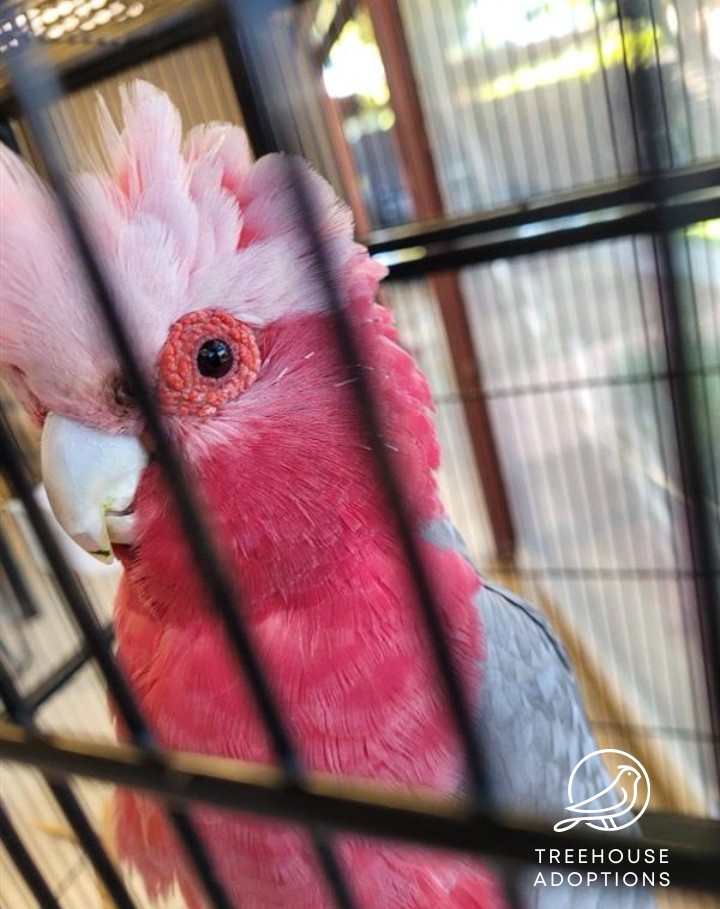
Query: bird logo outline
[615,807]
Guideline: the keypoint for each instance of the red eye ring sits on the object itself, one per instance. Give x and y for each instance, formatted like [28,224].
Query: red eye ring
[183,390]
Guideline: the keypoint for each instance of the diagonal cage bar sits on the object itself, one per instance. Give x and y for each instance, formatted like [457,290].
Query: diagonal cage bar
[249,20]
[251,23]
[25,864]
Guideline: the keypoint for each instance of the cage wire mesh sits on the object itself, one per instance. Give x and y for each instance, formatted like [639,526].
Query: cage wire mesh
[541,179]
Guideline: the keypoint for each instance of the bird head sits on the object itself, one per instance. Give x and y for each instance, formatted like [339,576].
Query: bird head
[212,269]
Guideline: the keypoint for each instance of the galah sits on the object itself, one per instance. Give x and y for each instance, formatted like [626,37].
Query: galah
[213,271]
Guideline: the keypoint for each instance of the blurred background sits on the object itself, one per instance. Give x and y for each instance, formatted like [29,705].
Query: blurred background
[550,369]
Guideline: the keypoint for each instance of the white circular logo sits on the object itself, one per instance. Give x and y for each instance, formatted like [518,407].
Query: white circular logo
[619,804]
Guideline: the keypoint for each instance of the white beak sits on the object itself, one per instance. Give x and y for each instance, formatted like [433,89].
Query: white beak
[91,478]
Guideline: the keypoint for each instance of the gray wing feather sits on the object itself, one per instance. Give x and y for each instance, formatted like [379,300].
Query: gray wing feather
[533,727]
[531,717]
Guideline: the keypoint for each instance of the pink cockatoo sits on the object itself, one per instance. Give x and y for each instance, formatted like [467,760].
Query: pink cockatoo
[213,272]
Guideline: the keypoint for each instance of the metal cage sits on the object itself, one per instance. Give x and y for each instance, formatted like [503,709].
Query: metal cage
[651,197]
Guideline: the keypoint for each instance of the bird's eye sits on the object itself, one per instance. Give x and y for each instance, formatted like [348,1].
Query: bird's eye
[215,359]
[208,359]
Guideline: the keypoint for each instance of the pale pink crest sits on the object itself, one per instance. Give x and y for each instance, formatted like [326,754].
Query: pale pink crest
[179,226]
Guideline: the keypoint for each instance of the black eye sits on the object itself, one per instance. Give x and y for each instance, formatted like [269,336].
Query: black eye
[215,359]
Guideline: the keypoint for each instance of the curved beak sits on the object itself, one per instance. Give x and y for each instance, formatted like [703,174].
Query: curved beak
[91,478]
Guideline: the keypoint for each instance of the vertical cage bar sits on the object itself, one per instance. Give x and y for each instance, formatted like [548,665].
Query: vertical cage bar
[651,120]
